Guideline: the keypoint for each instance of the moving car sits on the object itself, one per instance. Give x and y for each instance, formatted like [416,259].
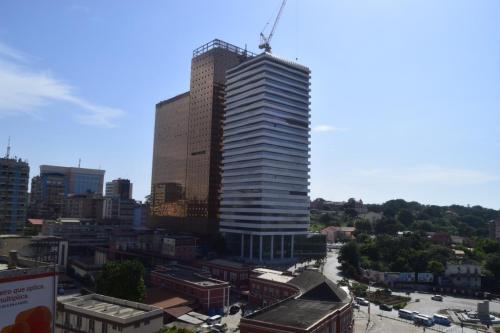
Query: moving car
[437,298]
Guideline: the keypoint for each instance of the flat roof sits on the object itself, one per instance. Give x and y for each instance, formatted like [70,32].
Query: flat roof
[305,312]
[276,277]
[109,307]
[188,275]
[165,298]
[227,263]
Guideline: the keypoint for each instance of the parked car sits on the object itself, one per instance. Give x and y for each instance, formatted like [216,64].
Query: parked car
[385,307]
[361,301]
[437,298]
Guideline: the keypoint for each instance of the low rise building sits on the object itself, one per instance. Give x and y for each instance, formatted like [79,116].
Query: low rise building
[335,234]
[464,275]
[268,286]
[212,295]
[235,273]
[320,306]
[101,314]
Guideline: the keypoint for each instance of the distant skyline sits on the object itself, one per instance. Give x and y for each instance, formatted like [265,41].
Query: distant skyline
[405,95]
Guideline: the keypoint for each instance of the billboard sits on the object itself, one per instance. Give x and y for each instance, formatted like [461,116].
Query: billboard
[27,303]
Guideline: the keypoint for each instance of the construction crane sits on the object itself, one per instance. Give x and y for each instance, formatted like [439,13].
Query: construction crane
[265,41]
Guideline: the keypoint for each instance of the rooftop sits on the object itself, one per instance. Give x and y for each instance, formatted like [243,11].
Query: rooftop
[227,263]
[318,297]
[219,44]
[114,309]
[187,275]
[305,312]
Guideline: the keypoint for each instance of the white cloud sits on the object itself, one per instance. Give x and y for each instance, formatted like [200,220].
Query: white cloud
[25,91]
[329,128]
[432,174]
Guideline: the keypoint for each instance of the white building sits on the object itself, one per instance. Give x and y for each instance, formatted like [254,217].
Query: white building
[102,314]
[265,178]
[466,275]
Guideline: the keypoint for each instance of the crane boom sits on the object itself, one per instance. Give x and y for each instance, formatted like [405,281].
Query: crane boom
[265,42]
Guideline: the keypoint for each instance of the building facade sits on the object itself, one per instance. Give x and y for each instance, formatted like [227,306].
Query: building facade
[212,295]
[119,188]
[14,177]
[494,229]
[54,185]
[102,314]
[186,172]
[265,178]
[319,306]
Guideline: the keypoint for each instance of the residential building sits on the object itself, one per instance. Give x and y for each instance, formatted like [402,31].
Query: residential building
[494,226]
[319,306]
[46,249]
[180,247]
[14,177]
[81,234]
[119,188]
[464,275]
[83,206]
[265,179]
[186,173]
[118,211]
[54,185]
[338,234]
[212,295]
[101,314]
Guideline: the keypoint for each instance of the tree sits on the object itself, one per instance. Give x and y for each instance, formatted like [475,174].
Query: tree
[349,258]
[363,226]
[122,279]
[435,267]
[405,217]
[324,219]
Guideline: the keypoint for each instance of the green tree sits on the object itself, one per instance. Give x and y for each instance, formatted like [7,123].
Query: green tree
[122,279]
[325,218]
[363,226]
[435,267]
[405,217]
[349,258]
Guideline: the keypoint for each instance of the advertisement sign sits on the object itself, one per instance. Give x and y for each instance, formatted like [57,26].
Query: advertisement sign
[407,277]
[27,303]
[425,277]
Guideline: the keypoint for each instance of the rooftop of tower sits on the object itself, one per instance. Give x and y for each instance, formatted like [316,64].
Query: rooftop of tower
[219,44]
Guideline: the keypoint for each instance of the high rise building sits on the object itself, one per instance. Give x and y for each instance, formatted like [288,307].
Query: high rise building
[187,144]
[265,179]
[14,178]
[119,188]
[54,185]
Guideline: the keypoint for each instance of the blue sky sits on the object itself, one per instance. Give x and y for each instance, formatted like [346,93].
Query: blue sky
[405,94]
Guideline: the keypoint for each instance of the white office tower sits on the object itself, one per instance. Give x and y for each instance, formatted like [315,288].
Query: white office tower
[265,178]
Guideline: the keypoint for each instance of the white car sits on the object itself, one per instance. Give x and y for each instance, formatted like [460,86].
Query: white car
[361,301]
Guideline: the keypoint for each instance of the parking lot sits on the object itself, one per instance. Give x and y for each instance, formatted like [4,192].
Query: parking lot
[385,321]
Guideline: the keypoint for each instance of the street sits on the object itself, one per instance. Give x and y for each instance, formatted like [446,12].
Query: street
[424,305]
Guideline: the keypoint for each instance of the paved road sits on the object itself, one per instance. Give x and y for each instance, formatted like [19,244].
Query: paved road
[425,306]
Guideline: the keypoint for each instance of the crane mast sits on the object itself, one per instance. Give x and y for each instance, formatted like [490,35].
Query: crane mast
[265,41]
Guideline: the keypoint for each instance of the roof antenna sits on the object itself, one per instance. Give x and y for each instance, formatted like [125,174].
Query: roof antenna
[79,162]
[7,155]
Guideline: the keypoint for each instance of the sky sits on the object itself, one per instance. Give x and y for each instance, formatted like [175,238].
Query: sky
[405,95]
